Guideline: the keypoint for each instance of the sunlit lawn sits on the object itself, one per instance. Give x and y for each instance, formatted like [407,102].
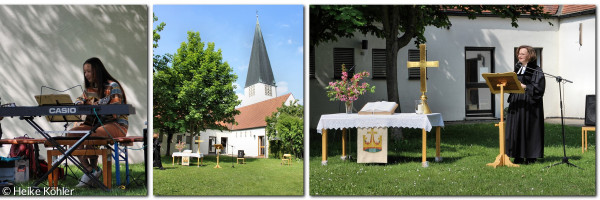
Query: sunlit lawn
[466,149]
[256,177]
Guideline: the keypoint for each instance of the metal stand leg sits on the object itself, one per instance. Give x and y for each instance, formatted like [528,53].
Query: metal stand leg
[67,154]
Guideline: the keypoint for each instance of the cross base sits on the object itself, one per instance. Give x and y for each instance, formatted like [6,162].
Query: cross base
[502,160]
[425,107]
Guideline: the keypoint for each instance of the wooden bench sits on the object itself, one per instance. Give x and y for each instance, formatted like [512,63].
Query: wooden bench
[125,142]
[69,141]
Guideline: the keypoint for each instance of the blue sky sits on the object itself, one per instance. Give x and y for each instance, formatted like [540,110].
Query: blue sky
[231,28]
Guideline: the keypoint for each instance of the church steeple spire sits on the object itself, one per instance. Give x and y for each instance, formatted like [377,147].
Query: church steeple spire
[259,69]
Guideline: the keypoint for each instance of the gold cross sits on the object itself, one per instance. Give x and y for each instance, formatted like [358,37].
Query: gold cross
[372,132]
[423,64]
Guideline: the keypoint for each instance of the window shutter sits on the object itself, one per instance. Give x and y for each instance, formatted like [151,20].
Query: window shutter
[342,56]
[414,56]
[379,62]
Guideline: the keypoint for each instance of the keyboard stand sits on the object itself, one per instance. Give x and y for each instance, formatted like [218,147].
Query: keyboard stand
[66,153]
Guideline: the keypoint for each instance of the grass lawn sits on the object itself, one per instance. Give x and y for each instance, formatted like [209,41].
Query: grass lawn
[256,177]
[466,149]
[137,186]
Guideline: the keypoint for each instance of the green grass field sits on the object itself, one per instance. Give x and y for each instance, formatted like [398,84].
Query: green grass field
[137,186]
[466,149]
[256,177]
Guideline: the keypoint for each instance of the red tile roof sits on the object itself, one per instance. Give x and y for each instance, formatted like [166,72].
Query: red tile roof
[553,9]
[253,116]
[570,9]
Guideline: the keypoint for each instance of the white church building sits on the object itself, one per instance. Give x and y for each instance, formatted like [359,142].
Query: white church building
[465,51]
[260,100]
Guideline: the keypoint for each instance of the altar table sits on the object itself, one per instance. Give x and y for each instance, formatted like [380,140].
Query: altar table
[397,120]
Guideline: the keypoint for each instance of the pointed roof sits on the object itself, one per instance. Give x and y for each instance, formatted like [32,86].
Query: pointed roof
[253,116]
[259,69]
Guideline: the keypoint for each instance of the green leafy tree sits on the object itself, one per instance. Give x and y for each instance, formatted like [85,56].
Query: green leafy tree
[155,35]
[165,123]
[399,24]
[196,93]
[286,126]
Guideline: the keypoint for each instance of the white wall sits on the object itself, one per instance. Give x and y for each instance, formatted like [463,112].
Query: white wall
[576,63]
[446,92]
[46,45]
[246,140]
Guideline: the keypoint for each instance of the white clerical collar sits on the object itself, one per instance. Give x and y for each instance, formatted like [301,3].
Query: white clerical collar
[522,69]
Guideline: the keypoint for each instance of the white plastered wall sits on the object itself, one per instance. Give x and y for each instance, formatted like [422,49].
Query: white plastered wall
[576,63]
[46,45]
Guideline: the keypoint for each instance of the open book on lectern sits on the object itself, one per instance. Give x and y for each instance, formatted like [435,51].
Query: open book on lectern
[57,100]
[378,108]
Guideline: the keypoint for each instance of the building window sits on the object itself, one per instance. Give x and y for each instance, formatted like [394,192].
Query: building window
[251,91]
[414,55]
[538,54]
[343,56]
[379,62]
[311,65]
[268,91]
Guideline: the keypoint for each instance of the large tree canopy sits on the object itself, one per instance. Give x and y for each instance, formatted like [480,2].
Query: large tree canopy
[196,92]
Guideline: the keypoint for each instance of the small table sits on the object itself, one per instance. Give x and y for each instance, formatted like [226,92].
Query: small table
[584,130]
[408,120]
[286,158]
[243,160]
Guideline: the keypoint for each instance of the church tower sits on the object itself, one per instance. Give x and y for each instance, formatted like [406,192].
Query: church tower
[260,83]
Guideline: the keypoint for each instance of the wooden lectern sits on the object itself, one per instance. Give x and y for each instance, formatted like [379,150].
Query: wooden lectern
[218,147]
[502,83]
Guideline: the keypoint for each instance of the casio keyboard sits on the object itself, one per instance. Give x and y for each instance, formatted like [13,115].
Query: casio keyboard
[28,113]
[37,111]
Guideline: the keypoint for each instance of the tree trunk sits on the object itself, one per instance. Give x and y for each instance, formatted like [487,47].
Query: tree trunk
[169,140]
[393,43]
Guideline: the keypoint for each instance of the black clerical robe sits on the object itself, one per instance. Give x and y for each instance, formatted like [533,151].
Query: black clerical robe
[525,117]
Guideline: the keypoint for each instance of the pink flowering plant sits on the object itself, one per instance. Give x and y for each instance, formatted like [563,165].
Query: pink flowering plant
[348,90]
[180,145]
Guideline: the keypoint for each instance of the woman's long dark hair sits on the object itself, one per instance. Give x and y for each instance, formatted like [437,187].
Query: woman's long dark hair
[101,77]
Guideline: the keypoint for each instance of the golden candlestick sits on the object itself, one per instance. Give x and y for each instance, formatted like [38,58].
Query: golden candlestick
[422,65]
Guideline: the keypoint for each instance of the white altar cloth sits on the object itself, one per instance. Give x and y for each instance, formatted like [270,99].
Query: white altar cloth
[397,120]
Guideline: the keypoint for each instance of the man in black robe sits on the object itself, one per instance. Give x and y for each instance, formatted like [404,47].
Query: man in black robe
[525,117]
